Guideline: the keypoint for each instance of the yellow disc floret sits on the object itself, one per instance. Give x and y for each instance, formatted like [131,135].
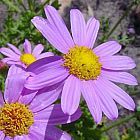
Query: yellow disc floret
[83,63]
[27,59]
[15,119]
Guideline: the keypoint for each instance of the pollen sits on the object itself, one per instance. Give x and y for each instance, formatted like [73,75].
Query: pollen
[15,119]
[27,59]
[83,63]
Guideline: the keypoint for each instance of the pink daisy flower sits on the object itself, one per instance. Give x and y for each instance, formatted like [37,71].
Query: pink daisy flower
[83,69]
[30,115]
[25,58]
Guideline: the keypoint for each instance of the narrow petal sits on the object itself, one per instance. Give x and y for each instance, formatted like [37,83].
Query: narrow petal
[17,51]
[14,69]
[53,133]
[51,33]
[2,135]
[23,137]
[12,61]
[8,138]
[92,29]
[14,85]
[27,96]
[55,19]
[46,54]
[107,103]
[37,50]
[37,131]
[45,64]
[46,78]
[118,94]
[71,95]
[117,63]
[27,46]
[46,97]
[78,27]
[53,115]
[9,53]
[92,100]
[107,49]
[1,99]
[120,77]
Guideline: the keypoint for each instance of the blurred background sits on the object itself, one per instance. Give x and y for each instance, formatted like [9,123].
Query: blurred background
[119,19]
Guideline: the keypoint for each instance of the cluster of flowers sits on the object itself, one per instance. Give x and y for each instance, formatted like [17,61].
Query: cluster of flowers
[36,80]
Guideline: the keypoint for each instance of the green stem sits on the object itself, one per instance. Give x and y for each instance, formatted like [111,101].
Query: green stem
[121,121]
[30,4]
[119,21]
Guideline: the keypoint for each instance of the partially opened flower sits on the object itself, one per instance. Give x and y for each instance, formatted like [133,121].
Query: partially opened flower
[25,58]
[30,115]
[84,69]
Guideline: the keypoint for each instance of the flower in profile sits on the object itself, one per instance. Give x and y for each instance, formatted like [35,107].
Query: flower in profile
[85,70]
[25,58]
[30,115]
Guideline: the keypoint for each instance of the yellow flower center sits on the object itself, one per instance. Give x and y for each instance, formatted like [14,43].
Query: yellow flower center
[15,119]
[27,59]
[83,63]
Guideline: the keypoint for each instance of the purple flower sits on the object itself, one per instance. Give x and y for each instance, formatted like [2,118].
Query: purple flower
[25,58]
[83,69]
[30,115]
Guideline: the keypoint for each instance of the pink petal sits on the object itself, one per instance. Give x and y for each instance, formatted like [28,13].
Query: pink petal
[44,64]
[78,27]
[117,62]
[118,94]
[53,133]
[46,97]
[27,46]
[71,95]
[14,84]
[27,96]
[37,50]
[55,19]
[92,29]
[51,33]
[12,61]
[1,99]
[46,78]
[9,53]
[53,115]
[2,136]
[46,54]
[92,100]
[107,49]
[14,69]
[120,77]
[17,51]
[107,103]
[37,131]
[23,137]
[8,138]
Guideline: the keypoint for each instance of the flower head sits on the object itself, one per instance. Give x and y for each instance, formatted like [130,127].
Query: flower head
[83,69]
[25,58]
[27,114]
